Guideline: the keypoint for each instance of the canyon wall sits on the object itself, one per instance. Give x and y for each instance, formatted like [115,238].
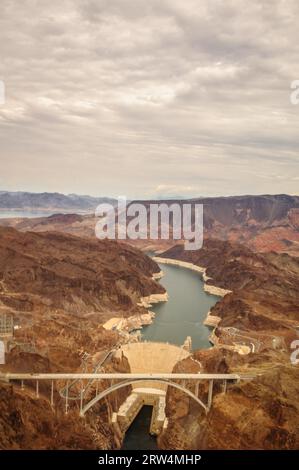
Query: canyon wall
[59,290]
[261,312]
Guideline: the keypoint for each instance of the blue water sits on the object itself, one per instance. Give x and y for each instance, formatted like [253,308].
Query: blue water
[7,214]
[185,311]
[31,214]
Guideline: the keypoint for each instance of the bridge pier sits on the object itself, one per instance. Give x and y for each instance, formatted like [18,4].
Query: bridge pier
[210,394]
[52,393]
[67,398]
[81,397]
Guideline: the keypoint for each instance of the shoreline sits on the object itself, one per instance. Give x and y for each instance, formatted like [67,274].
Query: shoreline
[210,320]
[149,300]
[210,289]
[138,321]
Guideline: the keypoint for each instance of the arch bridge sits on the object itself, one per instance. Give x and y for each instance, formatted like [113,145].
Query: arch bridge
[111,382]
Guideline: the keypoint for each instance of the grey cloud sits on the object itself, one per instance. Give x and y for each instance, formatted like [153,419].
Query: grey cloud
[127,96]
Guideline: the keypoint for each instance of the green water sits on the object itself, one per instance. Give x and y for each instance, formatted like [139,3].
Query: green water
[185,311]
[181,316]
[137,436]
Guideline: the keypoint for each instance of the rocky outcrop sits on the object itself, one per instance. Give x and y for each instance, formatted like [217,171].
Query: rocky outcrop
[261,314]
[135,322]
[258,414]
[74,274]
[153,299]
[264,287]
[28,423]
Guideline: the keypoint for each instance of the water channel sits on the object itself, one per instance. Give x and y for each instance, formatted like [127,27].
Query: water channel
[181,316]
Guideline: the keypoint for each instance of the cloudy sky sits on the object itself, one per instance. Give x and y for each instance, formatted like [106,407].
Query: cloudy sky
[145,98]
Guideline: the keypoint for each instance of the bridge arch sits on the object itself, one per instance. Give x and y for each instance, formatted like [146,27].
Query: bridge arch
[120,385]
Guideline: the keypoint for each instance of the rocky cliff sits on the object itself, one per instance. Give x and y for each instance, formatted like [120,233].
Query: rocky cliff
[262,313]
[265,293]
[77,275]
[258,414]
[59,289]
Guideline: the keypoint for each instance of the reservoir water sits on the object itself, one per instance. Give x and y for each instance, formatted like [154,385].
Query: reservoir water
[181,316]
[31,214]
[185,311]
[34,213]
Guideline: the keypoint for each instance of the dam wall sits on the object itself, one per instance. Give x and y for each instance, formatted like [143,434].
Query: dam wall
[153,357]
[149,358]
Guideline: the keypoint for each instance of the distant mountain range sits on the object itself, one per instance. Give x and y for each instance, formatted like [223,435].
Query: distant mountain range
[50,201]
[264,223]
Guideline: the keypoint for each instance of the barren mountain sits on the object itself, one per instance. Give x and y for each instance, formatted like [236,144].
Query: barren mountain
[78,275]
[265,285]
[259,414]
[63,287]
[59,290]
[50,201]
[264,223]
[261,313]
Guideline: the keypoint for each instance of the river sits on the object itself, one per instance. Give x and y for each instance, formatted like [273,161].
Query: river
[181,316]
[185,311]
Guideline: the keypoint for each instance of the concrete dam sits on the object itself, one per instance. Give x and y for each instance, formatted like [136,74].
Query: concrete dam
[149,358]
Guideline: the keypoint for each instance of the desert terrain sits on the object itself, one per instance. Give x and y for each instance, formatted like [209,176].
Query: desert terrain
[263,223]
[61,286]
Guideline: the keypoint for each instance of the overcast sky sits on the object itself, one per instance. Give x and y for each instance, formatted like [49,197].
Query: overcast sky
[145,98]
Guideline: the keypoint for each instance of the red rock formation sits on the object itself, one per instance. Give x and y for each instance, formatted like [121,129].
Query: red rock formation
[59,290]
[261,312]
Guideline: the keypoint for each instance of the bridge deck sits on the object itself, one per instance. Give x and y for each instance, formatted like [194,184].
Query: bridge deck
[120,376]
